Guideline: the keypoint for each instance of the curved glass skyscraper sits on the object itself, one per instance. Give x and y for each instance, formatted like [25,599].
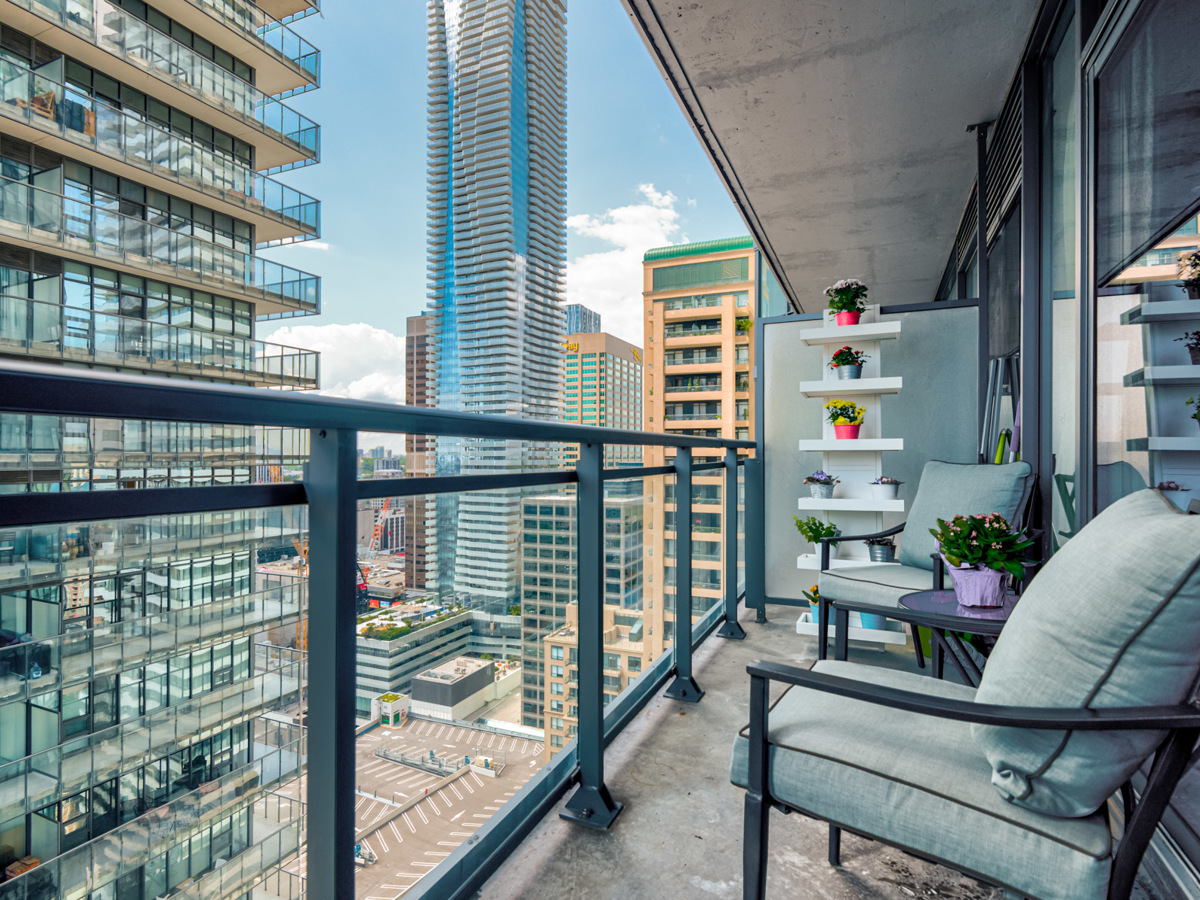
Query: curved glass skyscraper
[496,257]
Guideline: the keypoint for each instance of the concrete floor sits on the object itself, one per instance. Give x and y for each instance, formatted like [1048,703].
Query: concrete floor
[680,834]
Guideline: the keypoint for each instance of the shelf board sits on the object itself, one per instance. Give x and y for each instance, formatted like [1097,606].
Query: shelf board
[810,561]
[852,504]
[1163,375]
[844,334]
[1162,311]
[1164,443]
[851,387]
[857,445]
[893,634]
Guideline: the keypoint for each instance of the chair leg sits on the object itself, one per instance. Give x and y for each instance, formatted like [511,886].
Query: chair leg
[754,848]
[822,628]
[916,636]
[835,845]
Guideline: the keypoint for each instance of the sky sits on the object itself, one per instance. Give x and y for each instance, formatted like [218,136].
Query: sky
[637,178]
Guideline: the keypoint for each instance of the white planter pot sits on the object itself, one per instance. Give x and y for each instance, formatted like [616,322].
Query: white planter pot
[833,551]
[884,491]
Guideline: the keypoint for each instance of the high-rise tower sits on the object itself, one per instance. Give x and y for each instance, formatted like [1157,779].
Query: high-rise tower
[496,256]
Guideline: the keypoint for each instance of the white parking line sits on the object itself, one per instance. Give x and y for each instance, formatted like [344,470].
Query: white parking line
[421,813]
[382,842]
[408,822]
[434,807]
[456,815]
[395,831]
[456,793]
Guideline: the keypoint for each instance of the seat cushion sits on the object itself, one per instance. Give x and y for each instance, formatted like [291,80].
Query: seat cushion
[881,585]
[1113,619]
[950,489]
[920,783]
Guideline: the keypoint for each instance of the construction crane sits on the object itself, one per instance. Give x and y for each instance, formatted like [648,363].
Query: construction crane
[378,530]
[360,590]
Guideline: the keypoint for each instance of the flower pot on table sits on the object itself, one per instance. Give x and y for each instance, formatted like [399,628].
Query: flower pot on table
[846,432]
[978,586]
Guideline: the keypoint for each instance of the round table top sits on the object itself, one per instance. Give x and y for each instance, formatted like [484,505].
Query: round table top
[945,603]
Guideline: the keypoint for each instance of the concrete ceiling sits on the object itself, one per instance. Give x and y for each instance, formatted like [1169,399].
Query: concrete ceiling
[839,127]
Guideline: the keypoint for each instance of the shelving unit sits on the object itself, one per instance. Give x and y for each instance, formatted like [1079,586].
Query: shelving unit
[856,462]
[893,633]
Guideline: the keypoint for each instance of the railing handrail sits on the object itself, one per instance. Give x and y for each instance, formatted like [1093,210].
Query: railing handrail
[261,24]
[39,388]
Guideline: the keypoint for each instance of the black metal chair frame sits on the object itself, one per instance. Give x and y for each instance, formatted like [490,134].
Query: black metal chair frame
[1170,761]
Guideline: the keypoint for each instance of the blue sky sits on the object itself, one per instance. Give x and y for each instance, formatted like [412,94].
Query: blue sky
[636,178]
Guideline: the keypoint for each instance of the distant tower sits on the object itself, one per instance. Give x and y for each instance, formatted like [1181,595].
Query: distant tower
[581,320]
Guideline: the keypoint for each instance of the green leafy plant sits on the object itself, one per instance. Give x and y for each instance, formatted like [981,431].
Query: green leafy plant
[1191,340]
[812,594]
[1194,402]
[847,295]
[845,412]
[981,540]
[848,356]
[880,542]
[886,479]
[1189,269]
[814,529]
[744,326]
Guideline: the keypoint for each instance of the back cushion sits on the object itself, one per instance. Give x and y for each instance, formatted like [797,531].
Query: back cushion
[1112,620]
[950,489]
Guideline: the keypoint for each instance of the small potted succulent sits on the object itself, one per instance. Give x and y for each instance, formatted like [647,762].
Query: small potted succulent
[885,487]
[1191,340]
[848,363]
[846,299]
[847,418]
[814,529]
[982,554]
[1189,274]
[881,549]
[820,484]
[1194,403]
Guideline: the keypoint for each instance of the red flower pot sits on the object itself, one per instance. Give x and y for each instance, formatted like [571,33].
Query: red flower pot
[848,318]
[846,432]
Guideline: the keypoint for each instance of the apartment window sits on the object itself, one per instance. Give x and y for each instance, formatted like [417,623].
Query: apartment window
[556,671]
[556,724]
[556,652]
[556,706]
[556,688]
[556,741]
[721,271]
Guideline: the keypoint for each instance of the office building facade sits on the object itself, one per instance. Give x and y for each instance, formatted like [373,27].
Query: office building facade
[581,320]
[602,385]
[496,257]
[416,449]
[133,204]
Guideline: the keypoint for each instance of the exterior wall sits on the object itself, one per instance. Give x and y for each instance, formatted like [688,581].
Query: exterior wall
[416,448]
[602,386]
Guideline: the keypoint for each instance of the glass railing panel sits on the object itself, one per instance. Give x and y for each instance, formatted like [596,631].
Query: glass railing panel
[270,31]
[73,224]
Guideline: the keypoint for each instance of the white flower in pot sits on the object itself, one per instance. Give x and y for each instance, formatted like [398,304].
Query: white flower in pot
[885,487]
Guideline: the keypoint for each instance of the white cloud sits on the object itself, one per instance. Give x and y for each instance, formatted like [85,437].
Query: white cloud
[314,245]
[359,361]
[610,281]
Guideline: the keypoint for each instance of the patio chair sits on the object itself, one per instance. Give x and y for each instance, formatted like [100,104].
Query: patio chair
[946,490]
[1094,675]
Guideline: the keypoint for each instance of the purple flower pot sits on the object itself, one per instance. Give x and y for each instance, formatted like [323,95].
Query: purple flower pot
[978,586]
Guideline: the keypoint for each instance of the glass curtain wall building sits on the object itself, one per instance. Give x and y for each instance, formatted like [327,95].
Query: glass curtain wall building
[135,756]
[496,258]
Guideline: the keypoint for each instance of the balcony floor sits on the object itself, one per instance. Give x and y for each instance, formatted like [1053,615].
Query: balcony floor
[680,832]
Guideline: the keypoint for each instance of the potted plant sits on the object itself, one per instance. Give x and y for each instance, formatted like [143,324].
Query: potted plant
[847,417]
[848,362]
[1194,403]
[885,487]
[814,529]
[1191,340]
[1189,273]
[820,484]
[846,299]
[813,596]
[983,554]
[881,549]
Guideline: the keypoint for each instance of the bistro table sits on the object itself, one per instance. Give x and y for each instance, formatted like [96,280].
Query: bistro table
[947,620]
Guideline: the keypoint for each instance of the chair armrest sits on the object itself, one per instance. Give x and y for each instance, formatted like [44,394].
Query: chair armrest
[896,529]
[1102,719]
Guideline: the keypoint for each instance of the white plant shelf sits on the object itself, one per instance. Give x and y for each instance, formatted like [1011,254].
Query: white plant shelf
[844,334]
[851,504]
[1164,443]
[1162,311]
[850,387]
[811,561]
[833,445]
[893,634]
[1163,375]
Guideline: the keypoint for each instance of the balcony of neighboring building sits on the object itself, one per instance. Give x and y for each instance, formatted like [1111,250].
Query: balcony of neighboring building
[50,331]
[290,10]
[282,60]
[41,219]
[705,412]
[692,387]
[100,34]
[62,118]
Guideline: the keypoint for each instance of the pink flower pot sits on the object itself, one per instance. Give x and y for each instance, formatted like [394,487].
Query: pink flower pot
[978,586]
[846,432]
[848,318]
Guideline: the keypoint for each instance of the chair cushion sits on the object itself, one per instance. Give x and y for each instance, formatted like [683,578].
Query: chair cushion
[881,585]
[920,783]
[950,489]
[1113,619]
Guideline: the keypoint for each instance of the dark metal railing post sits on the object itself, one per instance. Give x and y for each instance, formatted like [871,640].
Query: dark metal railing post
[684,686]
[591,804]
[730,628]
[332,506]
[756,554]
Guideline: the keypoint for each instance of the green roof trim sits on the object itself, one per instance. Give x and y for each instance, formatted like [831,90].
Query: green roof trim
[699,249]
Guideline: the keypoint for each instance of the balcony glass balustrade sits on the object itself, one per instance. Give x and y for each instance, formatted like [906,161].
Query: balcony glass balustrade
[115,31]
[33,328]
[47,104]
[273,34]
[76,226]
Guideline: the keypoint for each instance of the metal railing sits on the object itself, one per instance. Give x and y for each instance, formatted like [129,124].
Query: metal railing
[35,328]
[332,492]
[47,104]
[67,224]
